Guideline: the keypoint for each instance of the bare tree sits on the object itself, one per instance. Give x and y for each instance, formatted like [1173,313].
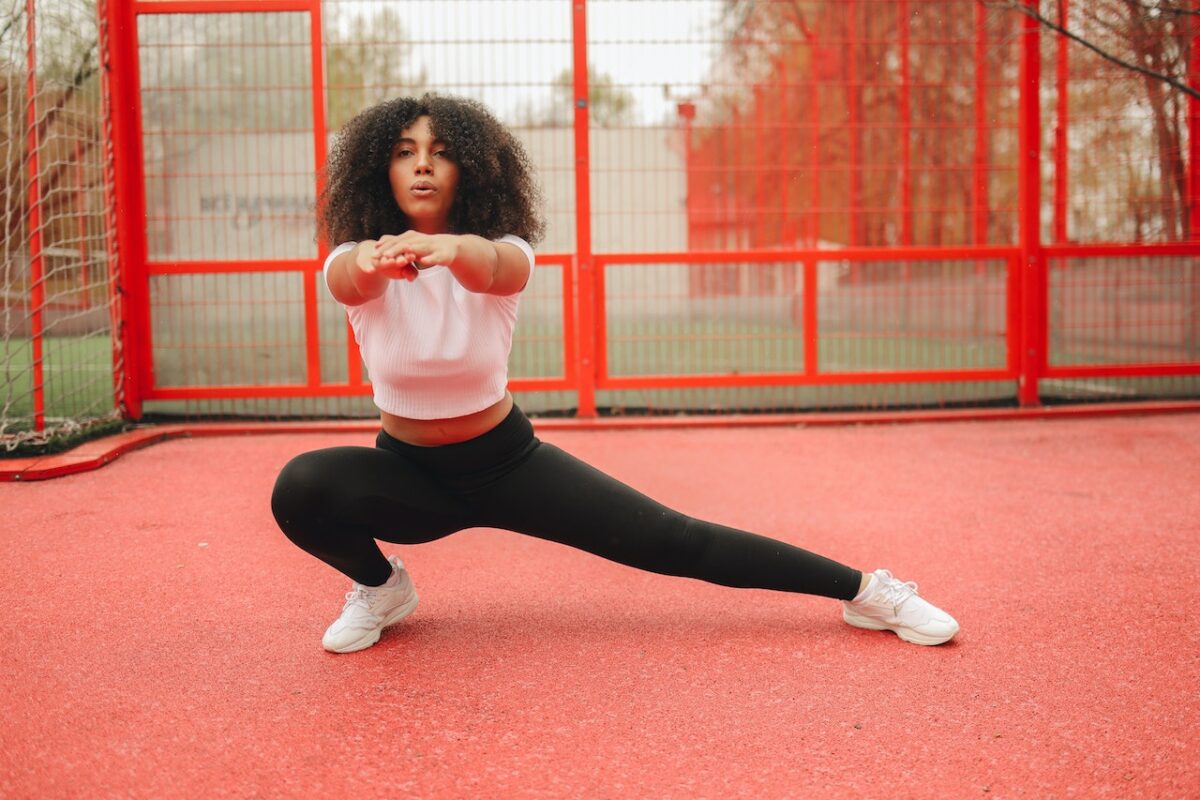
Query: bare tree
[1149,41]
[609,105]
[1140,18]
[367,60]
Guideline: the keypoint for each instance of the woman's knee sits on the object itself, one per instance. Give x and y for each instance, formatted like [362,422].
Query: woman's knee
[299,489]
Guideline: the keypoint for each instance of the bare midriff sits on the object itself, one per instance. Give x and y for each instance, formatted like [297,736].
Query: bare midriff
[434,432]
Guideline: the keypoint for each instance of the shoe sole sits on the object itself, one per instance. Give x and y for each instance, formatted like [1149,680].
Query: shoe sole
[398,613]
[907,634]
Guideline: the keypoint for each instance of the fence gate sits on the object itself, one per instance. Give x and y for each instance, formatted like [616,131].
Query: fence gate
[226,121]
[222,126]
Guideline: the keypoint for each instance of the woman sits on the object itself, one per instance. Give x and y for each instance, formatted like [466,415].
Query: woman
[434,205]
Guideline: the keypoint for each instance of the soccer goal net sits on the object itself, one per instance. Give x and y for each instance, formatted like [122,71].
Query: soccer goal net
[57,257]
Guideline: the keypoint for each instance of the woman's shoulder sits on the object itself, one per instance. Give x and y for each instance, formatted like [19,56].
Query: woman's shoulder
[519,243]
[344,247]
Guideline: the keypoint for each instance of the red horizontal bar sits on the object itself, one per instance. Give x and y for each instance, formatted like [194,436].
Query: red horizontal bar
[1121,370]
[848,254]
[885,167]
[277,265]
[323,390]
[243,391]
[201,267]
[799,379]
[212,45]
[218,6]
[561,384]
[1115,249]
[561,259]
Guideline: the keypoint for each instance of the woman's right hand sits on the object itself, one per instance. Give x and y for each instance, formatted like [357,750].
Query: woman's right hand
[369,262]
[360,274]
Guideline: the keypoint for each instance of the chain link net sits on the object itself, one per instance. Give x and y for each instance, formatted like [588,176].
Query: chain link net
[57,256]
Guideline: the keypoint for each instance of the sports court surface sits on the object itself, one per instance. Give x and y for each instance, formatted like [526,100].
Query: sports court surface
[162,639]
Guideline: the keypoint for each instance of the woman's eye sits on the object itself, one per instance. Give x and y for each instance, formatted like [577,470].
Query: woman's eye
[403,153]
[442,153]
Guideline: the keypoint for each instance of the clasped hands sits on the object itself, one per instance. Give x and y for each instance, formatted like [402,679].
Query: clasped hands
[402,257]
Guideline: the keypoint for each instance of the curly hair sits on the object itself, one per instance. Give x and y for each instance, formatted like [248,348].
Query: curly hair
[496,193]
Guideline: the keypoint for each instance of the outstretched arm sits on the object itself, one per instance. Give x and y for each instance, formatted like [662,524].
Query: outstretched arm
[360,274]
[479,264]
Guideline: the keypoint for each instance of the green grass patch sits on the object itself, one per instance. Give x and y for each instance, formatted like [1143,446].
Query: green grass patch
[77,377]
[666,347]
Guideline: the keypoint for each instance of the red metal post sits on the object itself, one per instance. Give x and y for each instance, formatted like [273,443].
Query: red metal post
[133,311]
[906,211]
[1193,198]
[112,263]
[37,286]
[584,268]
[1194,126]
[853,100]
[312,331]
[980,185]
[813,232]
[1060,130]
[1033,277]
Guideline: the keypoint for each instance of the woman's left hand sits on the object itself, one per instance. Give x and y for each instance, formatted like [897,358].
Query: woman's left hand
[422,250]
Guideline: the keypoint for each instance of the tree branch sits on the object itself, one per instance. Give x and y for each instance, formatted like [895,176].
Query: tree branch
[14,15]
[1017,5]
[1166,8]
[798,13]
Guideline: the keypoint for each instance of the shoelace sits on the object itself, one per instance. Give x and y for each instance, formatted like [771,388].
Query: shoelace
[895,591]
[361,596]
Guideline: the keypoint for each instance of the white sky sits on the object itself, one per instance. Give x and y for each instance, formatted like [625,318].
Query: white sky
[508,51]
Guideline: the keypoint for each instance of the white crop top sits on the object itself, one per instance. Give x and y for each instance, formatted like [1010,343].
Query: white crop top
[433,349]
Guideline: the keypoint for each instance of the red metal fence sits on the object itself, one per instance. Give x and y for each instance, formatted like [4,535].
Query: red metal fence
[756,206]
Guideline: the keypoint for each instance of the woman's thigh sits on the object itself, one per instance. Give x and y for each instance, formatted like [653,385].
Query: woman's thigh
[369,489]
[555,496]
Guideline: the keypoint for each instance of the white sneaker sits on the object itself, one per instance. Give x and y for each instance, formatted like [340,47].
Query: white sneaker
[370,609]
[890,605]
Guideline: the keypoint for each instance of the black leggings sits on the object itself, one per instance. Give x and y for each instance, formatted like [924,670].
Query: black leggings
[335,503]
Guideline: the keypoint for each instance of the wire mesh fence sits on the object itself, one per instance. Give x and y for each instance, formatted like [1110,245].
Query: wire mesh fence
[757,206]
[57,264]
[1118,139]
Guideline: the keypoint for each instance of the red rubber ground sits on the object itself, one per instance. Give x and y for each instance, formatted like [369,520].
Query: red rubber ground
[161,638]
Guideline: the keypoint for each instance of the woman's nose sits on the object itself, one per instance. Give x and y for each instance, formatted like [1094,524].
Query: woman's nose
[423,165]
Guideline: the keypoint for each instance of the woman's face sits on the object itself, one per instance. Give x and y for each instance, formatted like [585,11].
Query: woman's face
[424,177]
